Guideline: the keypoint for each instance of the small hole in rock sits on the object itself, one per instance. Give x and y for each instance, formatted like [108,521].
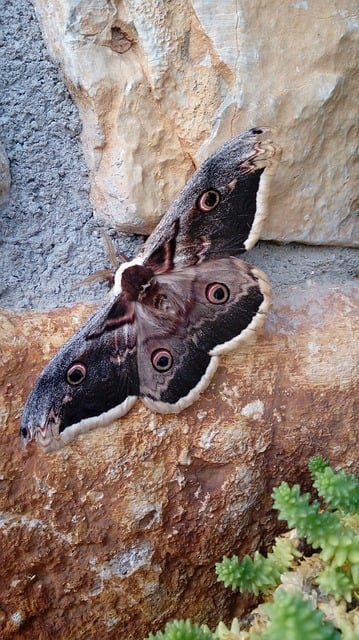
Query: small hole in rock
[120,40]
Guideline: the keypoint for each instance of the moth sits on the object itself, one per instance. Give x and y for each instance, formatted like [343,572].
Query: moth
[186,299]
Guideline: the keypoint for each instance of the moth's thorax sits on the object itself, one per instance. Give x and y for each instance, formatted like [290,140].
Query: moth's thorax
[117,286]
[135,280]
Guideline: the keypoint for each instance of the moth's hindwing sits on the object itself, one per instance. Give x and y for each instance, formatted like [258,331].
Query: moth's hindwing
[193,316]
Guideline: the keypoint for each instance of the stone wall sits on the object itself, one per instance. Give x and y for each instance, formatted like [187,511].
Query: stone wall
[119,532]
[159,85]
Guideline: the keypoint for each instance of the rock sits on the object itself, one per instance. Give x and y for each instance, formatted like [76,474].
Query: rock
[119,532]
[5,177]
[159,88]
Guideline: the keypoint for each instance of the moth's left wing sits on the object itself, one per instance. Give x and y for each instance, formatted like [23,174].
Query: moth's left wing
[190,318]
[91,381]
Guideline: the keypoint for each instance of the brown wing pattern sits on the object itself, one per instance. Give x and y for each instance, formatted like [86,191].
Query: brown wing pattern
[192,316]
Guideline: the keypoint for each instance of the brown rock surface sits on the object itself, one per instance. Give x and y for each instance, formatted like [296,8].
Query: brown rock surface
[119,532]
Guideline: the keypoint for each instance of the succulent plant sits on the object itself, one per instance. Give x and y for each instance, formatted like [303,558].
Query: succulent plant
[313,597]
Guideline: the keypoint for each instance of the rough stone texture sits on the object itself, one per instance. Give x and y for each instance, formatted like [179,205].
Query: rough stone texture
[161,85]
[119,532]
[49,240]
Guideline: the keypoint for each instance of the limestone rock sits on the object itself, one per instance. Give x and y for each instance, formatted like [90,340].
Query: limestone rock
[5,177]
[119,532]
[160,86]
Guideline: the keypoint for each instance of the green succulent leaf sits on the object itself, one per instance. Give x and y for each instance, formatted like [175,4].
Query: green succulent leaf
[337,582]
[182,630]
[259,574]
[339,490]
[292,618]
[317,464]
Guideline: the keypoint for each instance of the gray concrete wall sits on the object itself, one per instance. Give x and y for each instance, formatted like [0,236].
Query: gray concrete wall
[49,238]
